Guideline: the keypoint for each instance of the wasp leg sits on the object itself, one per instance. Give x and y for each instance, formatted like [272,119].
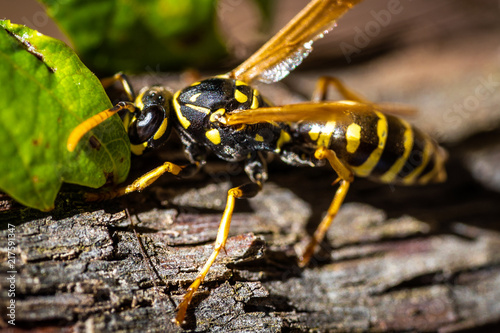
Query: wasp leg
[257,171]
[346,177]
[324,82]
[244,191]
[84,127]
[123,79]
[145,180]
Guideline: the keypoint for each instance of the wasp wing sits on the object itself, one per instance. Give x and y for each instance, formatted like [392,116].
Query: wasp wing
[310,111]
[397,109]
[307,111]
[292,44]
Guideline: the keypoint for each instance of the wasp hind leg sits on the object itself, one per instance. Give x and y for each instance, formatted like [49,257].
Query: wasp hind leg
[324,82]
[345,179]
[321,91]
[345,175]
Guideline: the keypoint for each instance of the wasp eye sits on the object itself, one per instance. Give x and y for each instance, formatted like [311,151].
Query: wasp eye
[146,124]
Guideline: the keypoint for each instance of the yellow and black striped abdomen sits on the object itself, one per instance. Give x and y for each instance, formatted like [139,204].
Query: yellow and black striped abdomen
[381,147]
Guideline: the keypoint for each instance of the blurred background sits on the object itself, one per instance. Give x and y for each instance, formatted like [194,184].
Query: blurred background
[375,27]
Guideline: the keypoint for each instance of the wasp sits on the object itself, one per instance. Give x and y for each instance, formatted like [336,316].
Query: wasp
[226,116]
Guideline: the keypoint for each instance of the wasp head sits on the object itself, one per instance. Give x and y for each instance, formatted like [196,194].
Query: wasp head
[150,125]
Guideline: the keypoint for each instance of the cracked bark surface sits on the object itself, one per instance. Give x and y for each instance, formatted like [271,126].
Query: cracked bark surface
[396,258]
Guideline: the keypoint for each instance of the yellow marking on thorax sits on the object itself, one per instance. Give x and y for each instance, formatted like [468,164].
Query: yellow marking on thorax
[428,151]
[255,101]
[364,169]
[183,120]
[213,135]
[259,138]
[199,108]
[284,138]
[391,174]
[219,112]
[353,136]
[326,134]
[194,97]
[240,97]
[314,135]
[240,83]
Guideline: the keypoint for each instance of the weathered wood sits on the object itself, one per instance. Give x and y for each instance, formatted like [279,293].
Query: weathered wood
[396,259]
[396,273]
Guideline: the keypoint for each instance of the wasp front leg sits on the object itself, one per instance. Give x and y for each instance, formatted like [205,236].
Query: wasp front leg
[145,180]
[123,79]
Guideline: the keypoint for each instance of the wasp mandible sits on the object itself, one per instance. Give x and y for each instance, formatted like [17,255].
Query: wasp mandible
[226,116]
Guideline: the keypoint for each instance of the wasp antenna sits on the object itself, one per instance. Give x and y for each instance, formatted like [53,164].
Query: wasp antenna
[86,126]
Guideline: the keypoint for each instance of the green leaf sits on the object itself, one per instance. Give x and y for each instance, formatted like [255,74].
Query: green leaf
[46,92]
[136,35]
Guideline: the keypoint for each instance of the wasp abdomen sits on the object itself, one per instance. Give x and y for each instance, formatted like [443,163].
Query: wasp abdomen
[381,147]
